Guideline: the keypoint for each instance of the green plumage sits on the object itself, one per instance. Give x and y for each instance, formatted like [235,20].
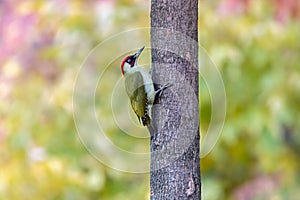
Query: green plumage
[138,96]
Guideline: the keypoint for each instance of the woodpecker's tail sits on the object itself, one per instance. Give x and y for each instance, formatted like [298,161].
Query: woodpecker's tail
[146,120]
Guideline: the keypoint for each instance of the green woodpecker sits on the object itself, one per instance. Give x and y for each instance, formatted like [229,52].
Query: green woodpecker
[139,87]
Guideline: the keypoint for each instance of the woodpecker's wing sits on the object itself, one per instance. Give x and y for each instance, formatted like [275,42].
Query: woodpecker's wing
[135,89]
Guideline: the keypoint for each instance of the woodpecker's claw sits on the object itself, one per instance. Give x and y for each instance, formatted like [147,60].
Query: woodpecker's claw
[160,90]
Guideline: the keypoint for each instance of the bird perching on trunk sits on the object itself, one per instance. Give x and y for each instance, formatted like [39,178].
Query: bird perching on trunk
[139,87]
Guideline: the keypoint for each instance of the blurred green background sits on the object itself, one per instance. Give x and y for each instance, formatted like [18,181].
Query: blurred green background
[255,44]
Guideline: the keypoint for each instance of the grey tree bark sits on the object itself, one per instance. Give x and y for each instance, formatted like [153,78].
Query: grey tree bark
[175,162]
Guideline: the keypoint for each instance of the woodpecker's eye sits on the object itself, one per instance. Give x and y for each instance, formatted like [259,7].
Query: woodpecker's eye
[130,61]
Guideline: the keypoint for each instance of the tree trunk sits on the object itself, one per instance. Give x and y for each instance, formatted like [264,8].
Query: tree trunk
[175,162]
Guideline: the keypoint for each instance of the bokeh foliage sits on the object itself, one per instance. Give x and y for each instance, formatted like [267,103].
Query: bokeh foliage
[43,44]
[257,156]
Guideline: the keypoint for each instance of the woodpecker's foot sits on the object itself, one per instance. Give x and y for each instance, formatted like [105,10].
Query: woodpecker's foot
[159,90]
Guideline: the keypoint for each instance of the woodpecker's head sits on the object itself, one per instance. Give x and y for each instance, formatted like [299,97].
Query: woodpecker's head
[130,61]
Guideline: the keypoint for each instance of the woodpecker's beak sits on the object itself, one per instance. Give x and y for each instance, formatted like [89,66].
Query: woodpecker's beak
[138,53]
